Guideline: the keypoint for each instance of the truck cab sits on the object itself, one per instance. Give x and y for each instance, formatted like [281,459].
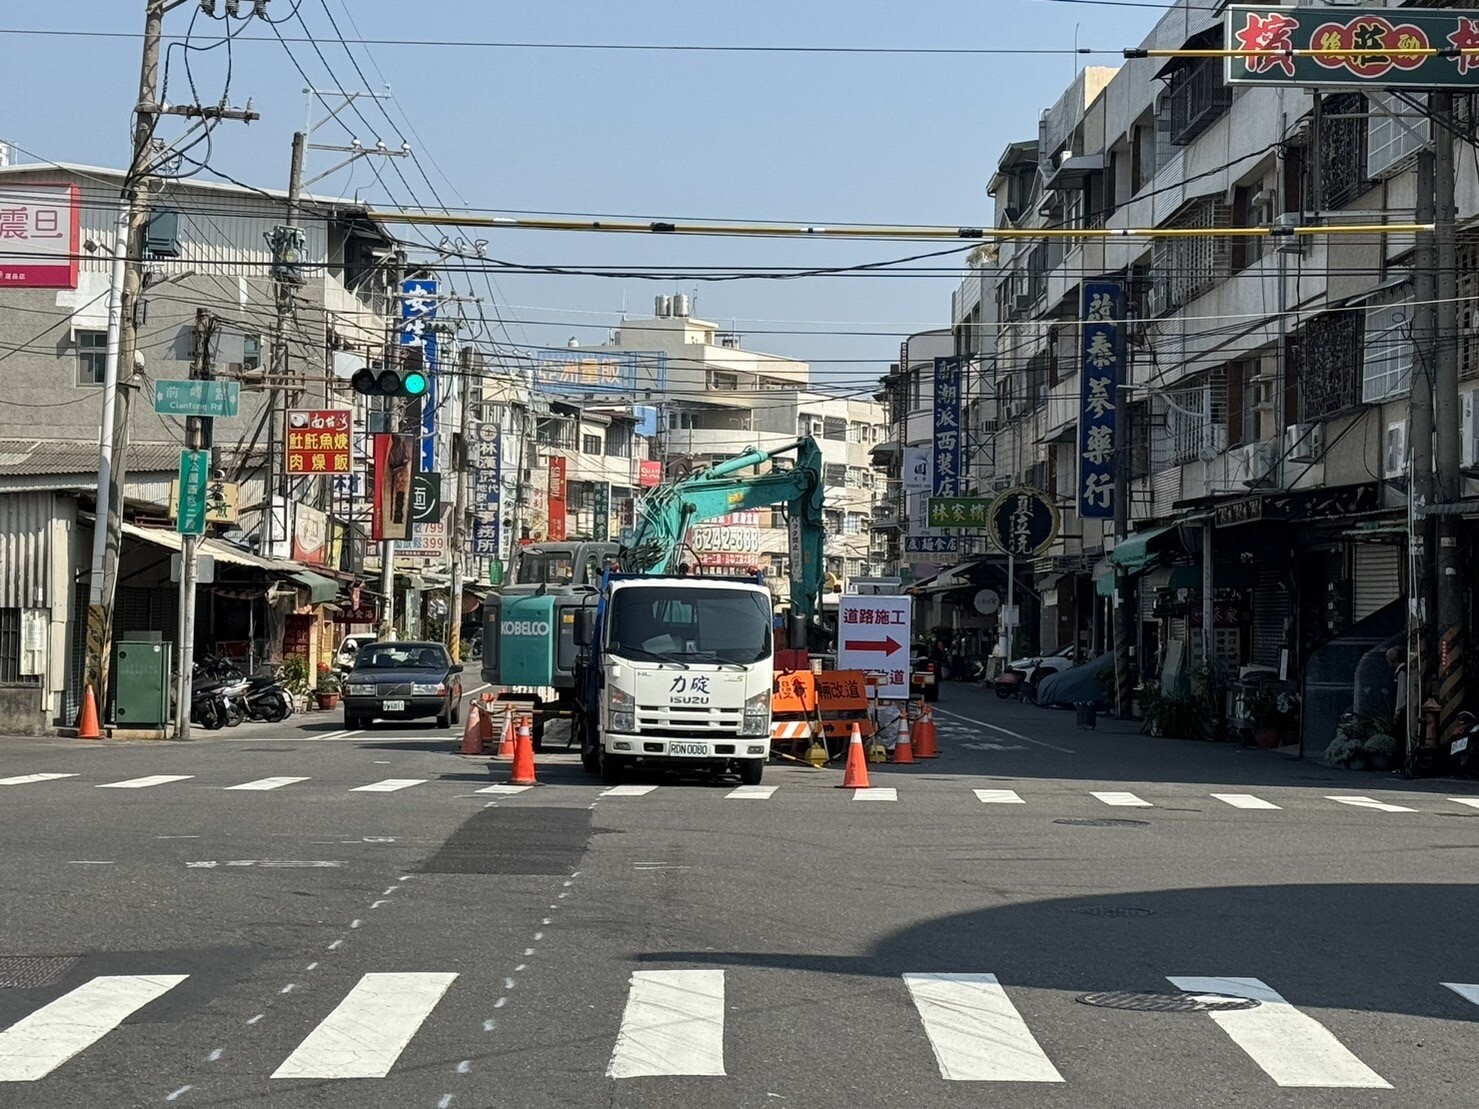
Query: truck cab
[677,673]
[529,649]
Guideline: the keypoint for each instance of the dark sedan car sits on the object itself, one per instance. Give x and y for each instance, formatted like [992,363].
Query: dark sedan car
[402,681]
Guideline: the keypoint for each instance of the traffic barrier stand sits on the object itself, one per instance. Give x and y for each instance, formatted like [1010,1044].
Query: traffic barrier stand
[817,754]
[87,719]
[472,732]
[903,749]
[485,717]
[856,776]
[523,773]
[507,745]
[922,736]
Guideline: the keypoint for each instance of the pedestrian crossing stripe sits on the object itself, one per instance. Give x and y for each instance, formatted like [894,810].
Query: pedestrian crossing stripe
[390,785]
[1244,801]
[146,783]
[368,1030]
[31,779]
[263,784]
[1123,799]
[975,1030]
[673,1024]
[1370,803]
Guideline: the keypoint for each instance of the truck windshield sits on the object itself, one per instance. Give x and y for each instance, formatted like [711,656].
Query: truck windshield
[546,568]
[690,626]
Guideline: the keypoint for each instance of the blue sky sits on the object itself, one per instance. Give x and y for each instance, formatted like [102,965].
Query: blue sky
[821,138]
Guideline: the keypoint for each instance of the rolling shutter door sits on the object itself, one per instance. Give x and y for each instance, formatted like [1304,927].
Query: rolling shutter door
[1376,577]
[1270,615]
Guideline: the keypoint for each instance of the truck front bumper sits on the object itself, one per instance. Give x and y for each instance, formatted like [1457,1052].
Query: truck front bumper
[683,749]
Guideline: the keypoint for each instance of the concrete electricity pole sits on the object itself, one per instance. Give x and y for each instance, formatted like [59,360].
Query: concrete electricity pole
[287,255]
[198,437]
[457,534]
[1420,456]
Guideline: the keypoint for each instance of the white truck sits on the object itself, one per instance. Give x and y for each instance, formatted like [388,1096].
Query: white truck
[676,671]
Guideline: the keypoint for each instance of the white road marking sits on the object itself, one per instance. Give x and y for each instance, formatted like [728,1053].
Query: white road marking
[975,1030]
[366,1033]
[36,1045]
[877,793]
[28,779]
[751,793]
[145,783]
[998,797]
[1369,803]
[673,1024]
[390,785]
[1244,801]
[1129,800]
[1292,1048]
[503,790]
[1472,802]
[1001,730]
[627,791]
[1465,990]
[268,783]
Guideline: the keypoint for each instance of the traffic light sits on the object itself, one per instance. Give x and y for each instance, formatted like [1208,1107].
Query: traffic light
[409,381]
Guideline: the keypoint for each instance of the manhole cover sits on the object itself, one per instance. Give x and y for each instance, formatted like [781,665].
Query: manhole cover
[1112,910]
[24,972]
[1101,822]
[1146,1001]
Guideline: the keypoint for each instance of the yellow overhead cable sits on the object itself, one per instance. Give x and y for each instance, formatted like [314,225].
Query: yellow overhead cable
[1307,52]
[664,227]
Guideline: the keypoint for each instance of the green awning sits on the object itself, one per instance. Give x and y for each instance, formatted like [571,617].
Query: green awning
[320,588]
[1135,553]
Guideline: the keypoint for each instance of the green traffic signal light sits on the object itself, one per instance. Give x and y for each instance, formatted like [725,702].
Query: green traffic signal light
[389,383]
[413,384]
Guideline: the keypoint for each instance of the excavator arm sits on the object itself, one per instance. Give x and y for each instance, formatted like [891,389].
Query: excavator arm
[665,515]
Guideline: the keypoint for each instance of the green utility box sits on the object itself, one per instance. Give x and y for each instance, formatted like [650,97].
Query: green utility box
[141,675]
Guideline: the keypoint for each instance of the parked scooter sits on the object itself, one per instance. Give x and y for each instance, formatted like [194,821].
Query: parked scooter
[1463,749]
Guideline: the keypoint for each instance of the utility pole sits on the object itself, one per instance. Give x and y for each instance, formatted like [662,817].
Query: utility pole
[1449,561]
[198,437]
[287,254]
[1420,457]
[457,536]
[1124,624]
[124,298]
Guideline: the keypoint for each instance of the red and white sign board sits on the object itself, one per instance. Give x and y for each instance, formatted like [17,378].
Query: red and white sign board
[39,229]
[873,636]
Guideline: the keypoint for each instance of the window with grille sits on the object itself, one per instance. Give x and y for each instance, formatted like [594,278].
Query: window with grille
[619,442]
[1184,269]
[835,428]
[1395,132]
[92,357]
[10,646]
[807,424]
[853,524]
[1189,429]
[1324,357]
[1388,352]
[590,444]
[1199,95]
[833,521]
[1343,149]
[1468,304]
[723,381]
[834,474]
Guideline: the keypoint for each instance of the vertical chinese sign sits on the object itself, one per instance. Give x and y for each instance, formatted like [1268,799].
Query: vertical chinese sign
[947,445]
[601,518]
[1099,383]
[487,491]
[418,315]
[556,500]
[39,236]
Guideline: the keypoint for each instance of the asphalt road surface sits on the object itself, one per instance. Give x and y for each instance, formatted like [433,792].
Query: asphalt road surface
[294,916]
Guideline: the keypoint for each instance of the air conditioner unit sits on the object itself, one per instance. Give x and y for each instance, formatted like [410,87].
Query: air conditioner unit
[1263,386]
[1304,442]
[1263,462]
[1022,303]
[1469,428]
[1394,450]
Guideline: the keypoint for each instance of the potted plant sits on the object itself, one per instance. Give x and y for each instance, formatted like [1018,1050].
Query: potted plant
[1273,712]
[328,687]
[295,676]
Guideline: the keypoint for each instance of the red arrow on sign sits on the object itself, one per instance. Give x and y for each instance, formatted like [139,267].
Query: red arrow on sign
[884,646]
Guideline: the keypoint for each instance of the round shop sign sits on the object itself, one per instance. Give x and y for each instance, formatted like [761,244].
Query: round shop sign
[987,602]
[1023,521]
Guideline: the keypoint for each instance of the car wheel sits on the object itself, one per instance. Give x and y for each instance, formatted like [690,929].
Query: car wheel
[751,771]
[611,768]
[537,733]
[457,710]
[351,723]
[444,719]
[932,693]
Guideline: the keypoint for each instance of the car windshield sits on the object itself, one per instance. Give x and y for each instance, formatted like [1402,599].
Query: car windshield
[546,568]
[401,656]
[701,625]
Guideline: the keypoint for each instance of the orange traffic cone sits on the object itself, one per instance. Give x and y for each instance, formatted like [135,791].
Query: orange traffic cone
[472,732]
[903,749]
[856,775]
[87,719]
[922,737]
[523,774]
[506,744]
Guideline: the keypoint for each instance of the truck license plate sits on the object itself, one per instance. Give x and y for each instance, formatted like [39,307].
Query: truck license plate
[393,706]
[691,750]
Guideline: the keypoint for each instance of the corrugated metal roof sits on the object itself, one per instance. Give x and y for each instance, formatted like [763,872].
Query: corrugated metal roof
[43,458]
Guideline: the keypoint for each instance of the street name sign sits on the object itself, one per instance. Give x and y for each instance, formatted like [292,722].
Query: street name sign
[195,479]
[197,398]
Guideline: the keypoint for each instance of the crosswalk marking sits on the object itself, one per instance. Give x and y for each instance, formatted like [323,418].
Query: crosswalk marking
[28,779]
[390,785]
[503,790]
[999,797]
[36,1045]
[268,783]
[975,1030]
[1465,990]
[627,791]
[145,783]
[368,1030]
[673,1024]
[1127,799]
[1293,1049]
[1244,801]
[1369,803]
[1472,802]
[751,793]
[877,793]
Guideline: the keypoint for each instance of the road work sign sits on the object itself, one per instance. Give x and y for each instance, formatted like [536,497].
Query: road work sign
[873,636]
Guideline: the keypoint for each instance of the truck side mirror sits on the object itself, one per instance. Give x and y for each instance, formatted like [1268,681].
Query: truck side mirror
[585,627]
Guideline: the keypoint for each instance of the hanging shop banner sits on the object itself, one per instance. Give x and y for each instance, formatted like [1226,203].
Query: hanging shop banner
[1099,380]
[426,498]
[601,512]
[1023,521]
[318,441]
[556,500]
[1365,47]
[40,240]
[310,535]
[947,445]
[395,467]
[918,473]
[485,538]
[649,473]
[958,512]
[418,317]
[931,544]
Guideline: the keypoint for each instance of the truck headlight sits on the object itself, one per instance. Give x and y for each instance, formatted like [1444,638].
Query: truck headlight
[427,689]
[757,715]
[362,690]
[621,710]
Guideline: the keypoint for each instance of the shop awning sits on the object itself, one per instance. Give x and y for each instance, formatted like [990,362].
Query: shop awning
[320,588]
[1104,578]
[1136,552]
[1174,578]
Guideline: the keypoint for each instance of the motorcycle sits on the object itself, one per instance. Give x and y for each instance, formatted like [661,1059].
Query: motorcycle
[1463,749]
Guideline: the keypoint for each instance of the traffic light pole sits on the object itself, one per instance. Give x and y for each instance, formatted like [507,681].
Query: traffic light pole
[198,436]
